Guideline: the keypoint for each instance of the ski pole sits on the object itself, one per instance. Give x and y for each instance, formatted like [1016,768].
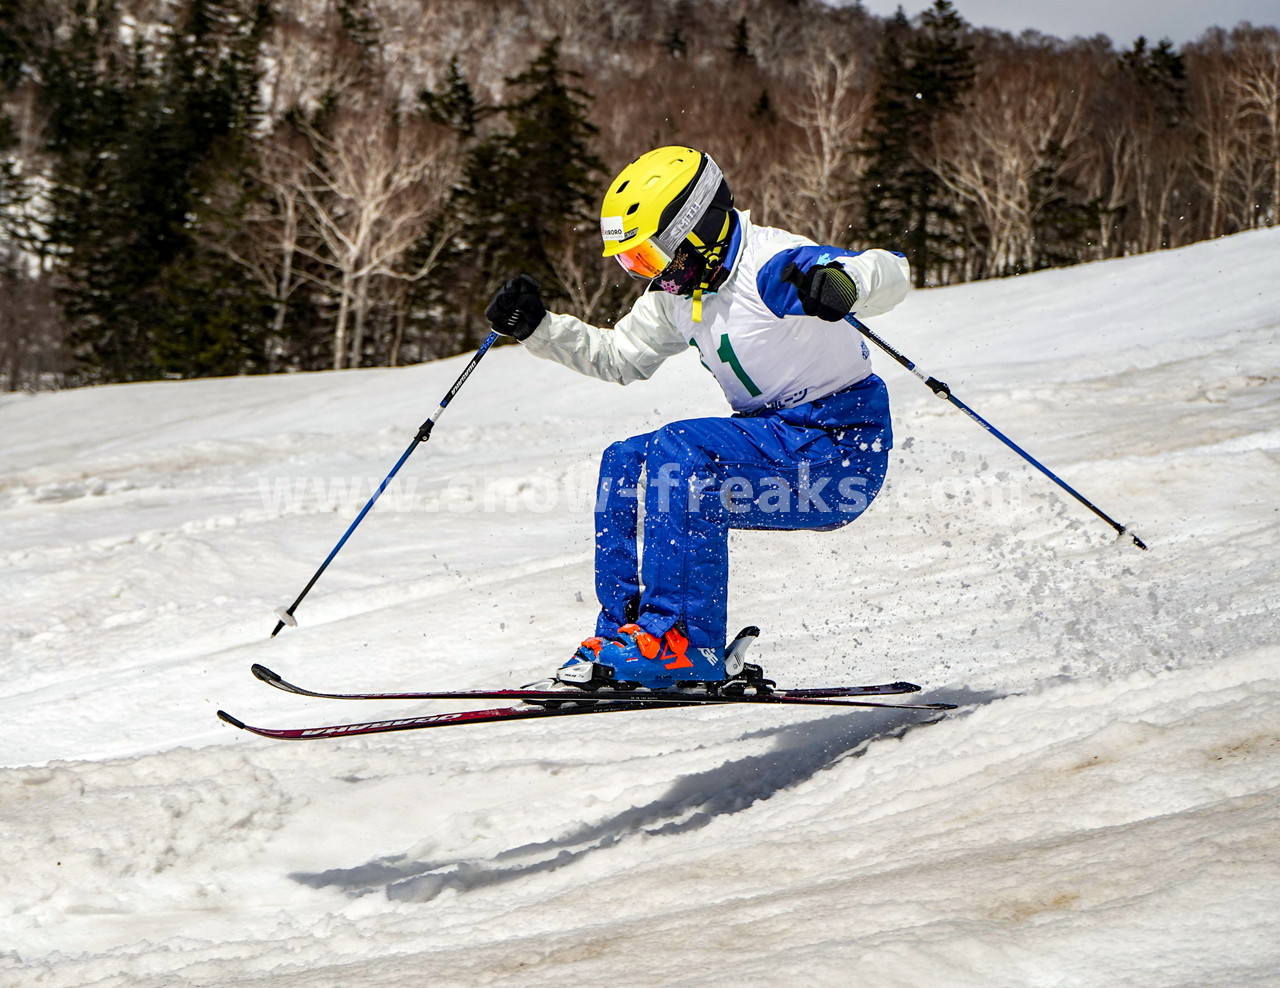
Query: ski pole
[942,391]
[285,614]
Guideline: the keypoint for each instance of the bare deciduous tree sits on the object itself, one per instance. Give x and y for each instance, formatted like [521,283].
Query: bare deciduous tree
[1256,85]
[1219,129]
[584,275]
[1020,119]
[268,240]
[373,180]
[815,185]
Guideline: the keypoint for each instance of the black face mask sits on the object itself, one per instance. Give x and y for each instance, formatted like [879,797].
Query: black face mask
[693,266]
[685,273]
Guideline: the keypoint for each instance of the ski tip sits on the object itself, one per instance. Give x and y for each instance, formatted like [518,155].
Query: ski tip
[263,673]
[906,688]
[224,716]
[750,631]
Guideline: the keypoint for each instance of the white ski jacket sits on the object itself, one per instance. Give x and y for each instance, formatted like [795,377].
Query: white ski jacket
[754,336]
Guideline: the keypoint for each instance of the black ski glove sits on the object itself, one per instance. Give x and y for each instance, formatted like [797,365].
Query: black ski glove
[517,308]
[825,291]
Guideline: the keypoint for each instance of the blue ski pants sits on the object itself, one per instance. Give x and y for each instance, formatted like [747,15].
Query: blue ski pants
[816,466]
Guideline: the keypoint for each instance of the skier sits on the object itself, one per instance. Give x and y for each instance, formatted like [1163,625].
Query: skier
[806,448]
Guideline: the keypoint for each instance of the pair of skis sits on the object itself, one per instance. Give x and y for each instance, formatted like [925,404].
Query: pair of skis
[541,703]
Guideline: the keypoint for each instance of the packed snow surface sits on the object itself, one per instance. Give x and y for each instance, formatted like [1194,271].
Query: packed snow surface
[1102,809]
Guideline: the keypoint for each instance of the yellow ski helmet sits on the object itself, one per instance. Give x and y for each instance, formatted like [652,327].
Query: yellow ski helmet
[658,201]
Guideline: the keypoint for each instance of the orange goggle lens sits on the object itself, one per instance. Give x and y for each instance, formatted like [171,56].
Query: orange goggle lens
[644,260]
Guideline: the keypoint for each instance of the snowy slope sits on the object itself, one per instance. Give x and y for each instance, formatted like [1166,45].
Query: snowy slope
[1103,811]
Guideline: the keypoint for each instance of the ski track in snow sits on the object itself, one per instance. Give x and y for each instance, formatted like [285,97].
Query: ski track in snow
[1101,811]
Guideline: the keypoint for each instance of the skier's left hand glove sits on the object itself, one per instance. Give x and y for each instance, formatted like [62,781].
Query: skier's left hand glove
[517,308]
[825,290]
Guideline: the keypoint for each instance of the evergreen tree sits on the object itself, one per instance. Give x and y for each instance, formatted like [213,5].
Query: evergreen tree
[13,41]
[89,89]
[763,110]
[533,189]
[141,140]
[455,106]
[676,41]
[1162,73]
[1065,220]
[217,320]
[359,23]
[924,74]
[741,45]
[1159,112]
[14,194]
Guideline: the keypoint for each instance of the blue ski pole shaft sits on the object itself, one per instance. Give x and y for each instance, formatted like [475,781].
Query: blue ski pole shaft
[424,433]
[943,391]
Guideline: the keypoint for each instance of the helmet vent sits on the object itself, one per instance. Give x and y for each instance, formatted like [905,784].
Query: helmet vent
[623,186]
[632,208]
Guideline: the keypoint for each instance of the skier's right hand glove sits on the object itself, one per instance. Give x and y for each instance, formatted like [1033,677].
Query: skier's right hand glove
[517,308]
[825,291]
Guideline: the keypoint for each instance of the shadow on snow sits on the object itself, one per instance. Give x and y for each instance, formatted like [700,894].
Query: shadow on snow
[693,801]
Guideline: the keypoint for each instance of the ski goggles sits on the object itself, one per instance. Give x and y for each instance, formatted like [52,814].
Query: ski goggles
[645,260]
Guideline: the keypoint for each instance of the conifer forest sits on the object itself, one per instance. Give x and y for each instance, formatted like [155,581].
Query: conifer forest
[192,188]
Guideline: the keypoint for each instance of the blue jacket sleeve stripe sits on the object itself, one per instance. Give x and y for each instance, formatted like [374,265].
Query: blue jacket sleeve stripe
[780,296]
